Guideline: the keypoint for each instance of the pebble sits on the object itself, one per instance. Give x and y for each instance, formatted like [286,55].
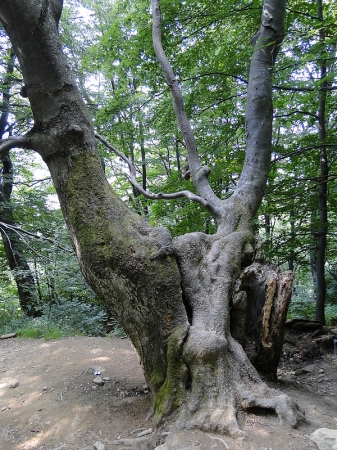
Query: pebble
[14,385]
[98,380]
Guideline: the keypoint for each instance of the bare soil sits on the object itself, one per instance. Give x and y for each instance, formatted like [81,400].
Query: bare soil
[48,400]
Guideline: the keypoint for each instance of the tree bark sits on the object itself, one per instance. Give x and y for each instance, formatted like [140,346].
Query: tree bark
[172,297]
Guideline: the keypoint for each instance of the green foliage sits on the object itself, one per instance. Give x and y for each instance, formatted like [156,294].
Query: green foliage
[331,314]
[306,309]
[77,317]
[9,309]
[208,44]
[65,318]
[301,308]
[39,329]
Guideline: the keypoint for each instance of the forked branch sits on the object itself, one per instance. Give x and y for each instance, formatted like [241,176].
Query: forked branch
[133,180]
[199,174]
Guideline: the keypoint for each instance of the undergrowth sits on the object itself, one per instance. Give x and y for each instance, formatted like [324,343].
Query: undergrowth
[61,319]
[305,309]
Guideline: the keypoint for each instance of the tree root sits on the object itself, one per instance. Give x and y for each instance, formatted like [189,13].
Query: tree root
[225,383]
[287,410]
[254,393]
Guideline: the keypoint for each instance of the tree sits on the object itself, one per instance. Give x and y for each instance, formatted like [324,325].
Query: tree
[299,199]
[12,245]
[174,298]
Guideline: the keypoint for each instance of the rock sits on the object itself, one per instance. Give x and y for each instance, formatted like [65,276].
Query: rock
[325,438]
[98,380]
[106,379]
[96,370]
[306,369]
[99,446]
[8,336]
[288,378]
[145,432]
[14,385]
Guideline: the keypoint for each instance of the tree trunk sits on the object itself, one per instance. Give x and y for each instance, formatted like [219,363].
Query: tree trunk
[173,298]
[323,186]
[12,244]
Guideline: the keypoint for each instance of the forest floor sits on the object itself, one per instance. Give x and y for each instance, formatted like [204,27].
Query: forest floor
[48,400]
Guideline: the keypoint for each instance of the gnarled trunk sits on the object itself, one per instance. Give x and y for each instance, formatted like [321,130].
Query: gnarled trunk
[173,298]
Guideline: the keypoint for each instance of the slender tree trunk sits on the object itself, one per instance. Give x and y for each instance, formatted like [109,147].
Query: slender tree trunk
[322,188]
[12,244]
[172,297]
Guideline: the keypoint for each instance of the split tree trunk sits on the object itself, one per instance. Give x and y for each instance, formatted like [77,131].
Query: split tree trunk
[173,298]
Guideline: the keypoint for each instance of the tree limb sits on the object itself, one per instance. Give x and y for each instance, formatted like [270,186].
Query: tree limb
[300,150]
[21,142]
[199,173]
[259,106]
[297,111]
[188,194]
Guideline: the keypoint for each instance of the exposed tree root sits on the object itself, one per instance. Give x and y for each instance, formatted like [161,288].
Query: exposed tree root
[224,383]
[287,410]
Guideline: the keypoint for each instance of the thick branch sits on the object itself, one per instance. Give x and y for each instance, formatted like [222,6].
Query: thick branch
[188,194]
[259,108]
[199,174]
[8,144]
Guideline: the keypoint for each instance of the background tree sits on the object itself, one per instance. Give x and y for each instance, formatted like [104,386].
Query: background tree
[11,242]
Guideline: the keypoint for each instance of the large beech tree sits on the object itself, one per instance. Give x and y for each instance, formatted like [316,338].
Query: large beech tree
[195,306]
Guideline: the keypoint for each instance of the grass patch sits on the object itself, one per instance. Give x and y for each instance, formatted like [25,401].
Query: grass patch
[35,331]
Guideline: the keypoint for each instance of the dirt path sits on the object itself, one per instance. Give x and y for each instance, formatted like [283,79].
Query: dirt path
[48,400]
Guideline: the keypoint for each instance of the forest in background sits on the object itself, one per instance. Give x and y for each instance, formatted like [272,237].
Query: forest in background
[131,107]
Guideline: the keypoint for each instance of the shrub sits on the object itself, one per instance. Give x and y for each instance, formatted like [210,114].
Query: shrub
[63,318]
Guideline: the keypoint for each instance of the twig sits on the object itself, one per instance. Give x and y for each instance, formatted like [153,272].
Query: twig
[19,230]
